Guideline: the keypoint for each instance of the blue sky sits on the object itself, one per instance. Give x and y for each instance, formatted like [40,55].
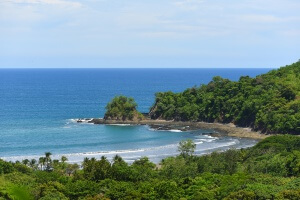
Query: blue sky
[149,33]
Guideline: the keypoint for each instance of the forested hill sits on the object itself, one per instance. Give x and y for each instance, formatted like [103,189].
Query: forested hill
[122,108]
[269,102]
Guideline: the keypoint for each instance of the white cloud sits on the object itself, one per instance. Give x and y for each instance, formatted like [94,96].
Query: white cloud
[291,33]
[28,12]
[134,27]
[47,2]
[257,18]
[189,4]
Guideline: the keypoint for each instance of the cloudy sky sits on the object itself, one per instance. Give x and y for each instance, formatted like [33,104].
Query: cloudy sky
[149,33]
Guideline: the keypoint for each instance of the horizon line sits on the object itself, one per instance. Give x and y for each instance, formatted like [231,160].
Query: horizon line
[140,67]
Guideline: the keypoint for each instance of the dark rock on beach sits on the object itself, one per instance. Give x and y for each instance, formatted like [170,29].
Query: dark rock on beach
[215,134]
[219,129]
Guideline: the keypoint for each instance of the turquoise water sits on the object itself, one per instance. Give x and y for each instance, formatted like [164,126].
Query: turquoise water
[37,108]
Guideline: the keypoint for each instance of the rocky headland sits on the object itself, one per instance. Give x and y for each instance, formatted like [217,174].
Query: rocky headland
[218,129]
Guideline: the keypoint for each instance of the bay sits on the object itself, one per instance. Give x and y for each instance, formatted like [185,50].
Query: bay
[38,108]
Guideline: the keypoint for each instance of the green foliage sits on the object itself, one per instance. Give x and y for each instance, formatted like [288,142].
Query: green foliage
[120,170]
[221,163]
[178,167]
[122,190]
[289,194]
[18,192]
[167,190]
[142,169]
[82,188]
[96,170]
[241,195]
[186,147]
[279,143]
[10,190]
[5,167]
[122,108]
[269,103]
[269,170]
[51,190]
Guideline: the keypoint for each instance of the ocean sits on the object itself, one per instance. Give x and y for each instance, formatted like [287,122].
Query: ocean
[38,108]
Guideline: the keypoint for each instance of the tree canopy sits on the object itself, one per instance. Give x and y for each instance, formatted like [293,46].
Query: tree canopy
[269,102]
[269,170]
[186,147]
[122,108]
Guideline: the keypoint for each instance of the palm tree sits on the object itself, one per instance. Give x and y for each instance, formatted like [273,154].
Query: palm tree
[64,159]
[42,161]
[86,159]
[48,160]
[85,162]
[47,155]
[55,163]
[117,159]
[32,163]
[25,162]
[71,169]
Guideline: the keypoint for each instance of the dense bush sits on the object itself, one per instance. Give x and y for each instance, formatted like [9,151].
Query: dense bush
[5,167]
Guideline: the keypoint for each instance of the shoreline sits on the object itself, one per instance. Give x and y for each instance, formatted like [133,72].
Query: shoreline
[224,129]
[212,129]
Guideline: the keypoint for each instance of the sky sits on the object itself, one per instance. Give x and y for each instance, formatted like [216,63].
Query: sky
[149,33]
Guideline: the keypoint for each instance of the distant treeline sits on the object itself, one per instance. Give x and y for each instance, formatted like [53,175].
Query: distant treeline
[269,170]
[269,103]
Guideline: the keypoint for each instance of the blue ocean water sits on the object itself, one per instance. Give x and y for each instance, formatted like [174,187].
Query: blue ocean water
[37,107]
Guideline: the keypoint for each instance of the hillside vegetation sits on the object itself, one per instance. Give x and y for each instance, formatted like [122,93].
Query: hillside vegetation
[269,170]
[122,108]
[269,103]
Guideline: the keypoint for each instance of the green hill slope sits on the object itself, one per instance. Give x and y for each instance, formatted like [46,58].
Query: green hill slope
[269,102]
